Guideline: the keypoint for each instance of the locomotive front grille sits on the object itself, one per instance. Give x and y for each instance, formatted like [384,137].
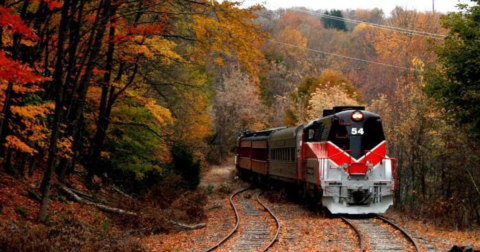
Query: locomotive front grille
[358,197]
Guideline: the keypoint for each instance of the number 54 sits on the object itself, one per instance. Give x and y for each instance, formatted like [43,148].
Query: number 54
[357,131]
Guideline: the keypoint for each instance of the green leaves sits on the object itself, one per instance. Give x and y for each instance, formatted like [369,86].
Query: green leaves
[456,83]
[135,144]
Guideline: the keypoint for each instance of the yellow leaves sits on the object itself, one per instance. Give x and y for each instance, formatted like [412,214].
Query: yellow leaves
[229,32]
[141,50]
[418,64]
[326,98]
[218,61]
[161,114]
[17,144]
[294,37]
[163,48]
[256,126]
[151,48]
[194,125]
[360,27]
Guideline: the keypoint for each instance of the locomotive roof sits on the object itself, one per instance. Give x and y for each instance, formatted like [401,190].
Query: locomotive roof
[260,135]
[285,133]
[367,114]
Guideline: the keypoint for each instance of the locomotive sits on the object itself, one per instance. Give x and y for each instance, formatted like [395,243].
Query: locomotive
[339,159]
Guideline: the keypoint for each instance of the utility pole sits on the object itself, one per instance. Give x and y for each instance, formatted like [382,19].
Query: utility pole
[433,6]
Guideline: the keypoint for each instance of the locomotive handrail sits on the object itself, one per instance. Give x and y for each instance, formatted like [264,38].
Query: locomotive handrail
[394,172]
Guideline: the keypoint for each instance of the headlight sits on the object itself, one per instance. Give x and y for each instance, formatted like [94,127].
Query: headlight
[357,116]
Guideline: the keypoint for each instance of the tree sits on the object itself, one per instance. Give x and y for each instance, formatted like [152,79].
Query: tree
[317,93]
[455,83]
[334,20]
[425,148]
[236,107]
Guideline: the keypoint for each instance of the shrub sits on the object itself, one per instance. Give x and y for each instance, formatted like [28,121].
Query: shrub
[186,166]
[67,234]
[22,211]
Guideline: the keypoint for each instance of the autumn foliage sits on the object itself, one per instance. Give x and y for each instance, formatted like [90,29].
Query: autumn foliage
[141,95]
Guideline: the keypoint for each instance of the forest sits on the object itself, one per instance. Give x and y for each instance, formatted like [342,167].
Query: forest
[111,111]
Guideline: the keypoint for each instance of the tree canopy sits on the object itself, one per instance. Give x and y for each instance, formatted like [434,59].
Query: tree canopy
[455,84]
[334,23]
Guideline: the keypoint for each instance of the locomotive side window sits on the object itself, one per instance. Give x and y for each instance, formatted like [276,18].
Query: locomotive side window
[283,154]
[326,132]
[315,132]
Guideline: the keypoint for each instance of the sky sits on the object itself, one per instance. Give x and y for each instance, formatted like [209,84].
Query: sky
[387,6]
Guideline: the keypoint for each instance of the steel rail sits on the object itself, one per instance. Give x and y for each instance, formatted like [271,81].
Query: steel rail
[405,233]
[237,221]
[276,221]
[362,245]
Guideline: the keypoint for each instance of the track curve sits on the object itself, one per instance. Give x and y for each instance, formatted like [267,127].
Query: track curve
[405,233]
[279,226]
[359,235]
[379,237]
[237,221]
[249,210]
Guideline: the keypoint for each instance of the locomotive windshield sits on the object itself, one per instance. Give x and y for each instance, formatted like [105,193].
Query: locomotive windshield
[356,137]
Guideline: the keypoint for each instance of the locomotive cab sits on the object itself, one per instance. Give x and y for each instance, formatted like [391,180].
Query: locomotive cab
[355,175]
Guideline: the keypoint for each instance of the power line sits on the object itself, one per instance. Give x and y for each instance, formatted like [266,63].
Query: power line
[386,27]
[341,56]
[380,26]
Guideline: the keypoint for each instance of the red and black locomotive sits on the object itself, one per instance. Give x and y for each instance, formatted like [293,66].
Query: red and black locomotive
[340,159]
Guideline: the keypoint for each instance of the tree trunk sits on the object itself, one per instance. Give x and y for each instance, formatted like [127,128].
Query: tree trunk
[105,107]
[47,178]
[32,165]
[62,169]
[23,163]
[8,160]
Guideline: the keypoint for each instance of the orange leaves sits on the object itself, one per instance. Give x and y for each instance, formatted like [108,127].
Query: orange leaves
[14,23]
[64,147]
[292,36]
[33,112]
[31,127]
[17,144]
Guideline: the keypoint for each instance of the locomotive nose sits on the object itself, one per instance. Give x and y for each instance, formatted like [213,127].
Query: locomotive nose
[358,196]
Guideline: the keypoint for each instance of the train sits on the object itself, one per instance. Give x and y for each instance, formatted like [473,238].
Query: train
[339,160]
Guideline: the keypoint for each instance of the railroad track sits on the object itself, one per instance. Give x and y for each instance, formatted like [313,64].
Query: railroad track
[378,237]
[252,230]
